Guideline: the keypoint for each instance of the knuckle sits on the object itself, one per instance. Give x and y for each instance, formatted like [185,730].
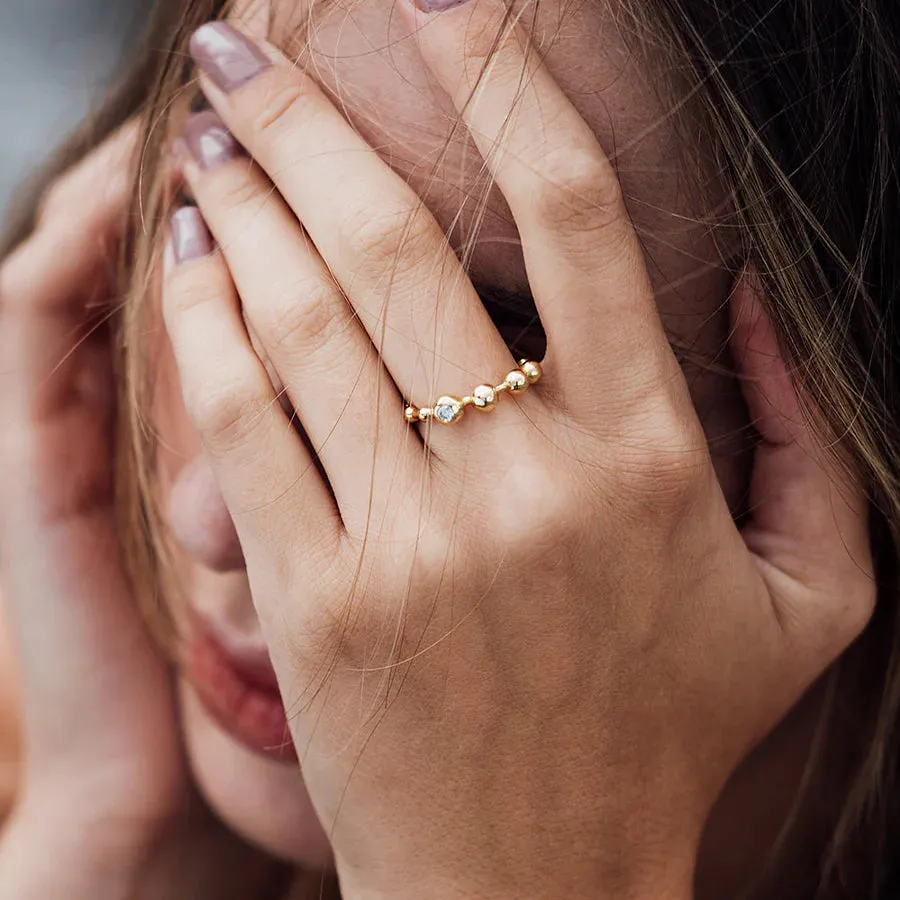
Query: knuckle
[378,241]
[538,508]
[85,188]
[235,192]
[661,468]
[492,49]
[482,55]
[654,486]
[191,287]
[227,414]
[285,101]
[580,194]
[306,316]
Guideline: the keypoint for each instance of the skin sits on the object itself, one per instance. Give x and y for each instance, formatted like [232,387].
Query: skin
[396,105]
[617,103]
[388,95]
[10,726]
[195,290]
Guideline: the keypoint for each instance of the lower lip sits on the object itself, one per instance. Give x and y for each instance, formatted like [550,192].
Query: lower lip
[242,698]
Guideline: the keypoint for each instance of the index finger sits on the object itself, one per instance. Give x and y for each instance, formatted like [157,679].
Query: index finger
[584,260]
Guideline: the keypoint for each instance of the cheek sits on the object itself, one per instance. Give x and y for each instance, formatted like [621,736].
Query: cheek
[178,443]
[263,801]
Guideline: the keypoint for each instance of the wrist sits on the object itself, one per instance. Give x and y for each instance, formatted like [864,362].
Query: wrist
[55,846]
[640,881]
[467,891]
[52,851]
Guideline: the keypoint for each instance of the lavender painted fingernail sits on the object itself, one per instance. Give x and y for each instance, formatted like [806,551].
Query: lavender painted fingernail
[190,237]
[435,6]
[229,58]
[209,141]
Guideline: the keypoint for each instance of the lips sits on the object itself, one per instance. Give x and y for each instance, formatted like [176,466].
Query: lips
[239,691]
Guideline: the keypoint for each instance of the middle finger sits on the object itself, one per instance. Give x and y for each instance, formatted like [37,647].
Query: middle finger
[382,245]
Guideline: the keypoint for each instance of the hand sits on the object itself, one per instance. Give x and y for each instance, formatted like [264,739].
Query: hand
[104,810]
[98,711]
[10,725]
[522,654]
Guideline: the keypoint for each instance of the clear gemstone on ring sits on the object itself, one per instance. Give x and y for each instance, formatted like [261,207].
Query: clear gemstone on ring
[448,410]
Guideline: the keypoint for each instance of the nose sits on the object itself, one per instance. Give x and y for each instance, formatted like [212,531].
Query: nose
[200,519]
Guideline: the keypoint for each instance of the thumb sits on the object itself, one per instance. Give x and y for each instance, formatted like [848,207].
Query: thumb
[808,526]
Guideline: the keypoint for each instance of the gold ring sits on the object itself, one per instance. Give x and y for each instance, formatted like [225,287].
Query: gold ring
[449,410]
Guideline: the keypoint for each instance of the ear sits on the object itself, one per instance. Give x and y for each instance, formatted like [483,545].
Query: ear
[808,510]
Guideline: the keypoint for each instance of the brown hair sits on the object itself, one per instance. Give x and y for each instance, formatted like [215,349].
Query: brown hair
[799,98]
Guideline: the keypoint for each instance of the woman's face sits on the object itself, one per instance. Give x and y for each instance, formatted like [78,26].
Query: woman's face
[234,723]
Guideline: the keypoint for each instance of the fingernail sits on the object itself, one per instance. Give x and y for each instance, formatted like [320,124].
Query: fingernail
[190,238]
[226,56]
[436,6]
[209,141]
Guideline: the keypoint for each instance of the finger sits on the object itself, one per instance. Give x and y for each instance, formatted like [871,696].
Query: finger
[260,465]
[48,283]
[63,583]
[583,258]
[93,189]
[809,513]
[255,17]
[321,353]
[78,223]
[386,251]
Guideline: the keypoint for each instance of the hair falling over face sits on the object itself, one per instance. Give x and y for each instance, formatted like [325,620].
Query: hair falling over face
[798,98]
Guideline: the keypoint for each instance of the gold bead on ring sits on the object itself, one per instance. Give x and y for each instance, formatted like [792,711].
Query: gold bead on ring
[449,410]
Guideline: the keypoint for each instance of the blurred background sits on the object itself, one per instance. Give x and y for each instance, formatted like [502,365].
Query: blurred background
[55,58]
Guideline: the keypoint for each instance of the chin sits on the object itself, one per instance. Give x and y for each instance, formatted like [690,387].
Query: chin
[261,798]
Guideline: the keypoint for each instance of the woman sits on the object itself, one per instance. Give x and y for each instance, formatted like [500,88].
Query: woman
[542,653]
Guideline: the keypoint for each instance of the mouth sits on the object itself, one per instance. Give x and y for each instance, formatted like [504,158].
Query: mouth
[238,689]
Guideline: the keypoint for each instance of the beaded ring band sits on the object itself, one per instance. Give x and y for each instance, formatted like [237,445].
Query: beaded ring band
[449,410]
